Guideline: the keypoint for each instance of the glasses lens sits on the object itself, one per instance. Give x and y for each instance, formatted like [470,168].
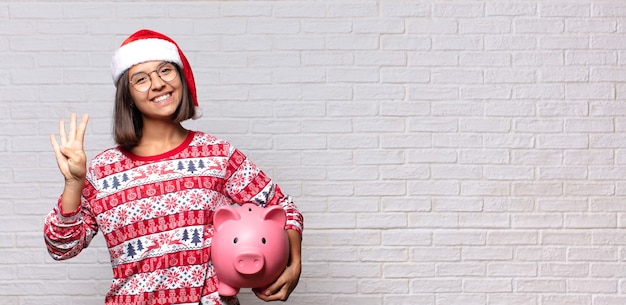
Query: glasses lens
[141,81]
[167,72]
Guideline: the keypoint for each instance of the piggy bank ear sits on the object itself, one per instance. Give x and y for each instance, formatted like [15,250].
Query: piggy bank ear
[224,214]
[275,214]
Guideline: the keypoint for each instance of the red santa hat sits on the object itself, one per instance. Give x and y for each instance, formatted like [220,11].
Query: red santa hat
[146,45]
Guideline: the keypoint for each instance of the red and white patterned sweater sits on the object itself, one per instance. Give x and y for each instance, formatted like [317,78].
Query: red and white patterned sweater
[156,216]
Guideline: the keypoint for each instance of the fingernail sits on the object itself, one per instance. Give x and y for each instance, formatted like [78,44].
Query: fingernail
[267,292]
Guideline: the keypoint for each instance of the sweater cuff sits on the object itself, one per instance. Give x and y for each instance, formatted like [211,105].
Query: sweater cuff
[65,217]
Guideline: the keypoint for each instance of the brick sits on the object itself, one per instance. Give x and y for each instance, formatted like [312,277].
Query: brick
[439,220]
[440,188]
[506,76]
[484,220]
[353,42]
[462,109]
[387,254]
[510,43]
[456,76]
[460,269]
[351,173]
[377,221]
[436,254]
[315,254]
[564,10]
[487,253]
[484,156]
[567,299]
[404,237]
[377,188]
[405,9]
[608,10]
[432,26]
[510,9]
[379,26]
[393,204]
[499,204]
[457,43]
[540,285]
[404,270]
[512,237]
[544,26]
[354,270]
[235,9]
[436,285]
[487,286]
[484,26]
[460,10]
[534,221]
[449,238]
[597,254]
[506,269]
[513,299]
[335,189]
[405,43]
[538,92]
[354,299]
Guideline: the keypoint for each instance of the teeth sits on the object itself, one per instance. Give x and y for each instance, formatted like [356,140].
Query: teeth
[161,98]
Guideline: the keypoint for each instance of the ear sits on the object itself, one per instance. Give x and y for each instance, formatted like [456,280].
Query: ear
[223,214]
[275,214]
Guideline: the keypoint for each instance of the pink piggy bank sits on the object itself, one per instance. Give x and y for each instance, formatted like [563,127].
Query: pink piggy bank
[250,247]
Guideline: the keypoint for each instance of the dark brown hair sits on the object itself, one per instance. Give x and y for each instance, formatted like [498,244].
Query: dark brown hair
[128,120]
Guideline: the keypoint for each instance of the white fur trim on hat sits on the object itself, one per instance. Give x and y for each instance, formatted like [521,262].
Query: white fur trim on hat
[142,50]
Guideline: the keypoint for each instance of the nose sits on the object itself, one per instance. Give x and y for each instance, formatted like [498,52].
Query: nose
[249,263]
[155,79]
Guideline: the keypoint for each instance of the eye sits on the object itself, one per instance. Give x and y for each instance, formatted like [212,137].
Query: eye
[263,240]
[139,79]
[165,70]
[235,240]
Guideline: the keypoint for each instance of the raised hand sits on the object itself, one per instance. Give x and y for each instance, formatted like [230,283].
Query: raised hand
[70,154]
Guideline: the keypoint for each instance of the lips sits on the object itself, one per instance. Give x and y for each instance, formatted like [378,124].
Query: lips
[161,98]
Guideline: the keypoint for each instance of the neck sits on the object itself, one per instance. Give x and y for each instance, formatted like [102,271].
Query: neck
[159,137]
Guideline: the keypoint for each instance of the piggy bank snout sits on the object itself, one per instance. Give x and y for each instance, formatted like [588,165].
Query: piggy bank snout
[249,262]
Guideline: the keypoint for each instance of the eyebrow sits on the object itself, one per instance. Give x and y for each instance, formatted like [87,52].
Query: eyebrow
[160,64]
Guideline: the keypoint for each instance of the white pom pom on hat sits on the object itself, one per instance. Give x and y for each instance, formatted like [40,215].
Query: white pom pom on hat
[146,45]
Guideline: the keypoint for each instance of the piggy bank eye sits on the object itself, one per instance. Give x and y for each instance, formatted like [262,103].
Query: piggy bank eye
[235,240]
[263,240]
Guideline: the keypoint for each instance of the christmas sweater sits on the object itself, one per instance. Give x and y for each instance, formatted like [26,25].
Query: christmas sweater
[156,216]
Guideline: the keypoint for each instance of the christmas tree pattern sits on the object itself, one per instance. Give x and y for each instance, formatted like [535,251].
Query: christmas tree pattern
[195,239]
[185,235]
[191,167]
[115,183]
[130,250]
[139,245]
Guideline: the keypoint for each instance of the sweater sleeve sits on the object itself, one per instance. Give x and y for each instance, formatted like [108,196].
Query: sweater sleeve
[245,182]
[67,234]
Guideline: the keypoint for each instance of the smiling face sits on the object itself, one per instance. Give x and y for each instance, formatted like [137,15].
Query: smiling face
[162,98]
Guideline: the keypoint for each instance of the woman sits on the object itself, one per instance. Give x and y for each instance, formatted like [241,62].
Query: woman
[153,196]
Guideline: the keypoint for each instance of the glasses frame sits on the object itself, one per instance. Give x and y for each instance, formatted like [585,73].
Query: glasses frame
[159,67]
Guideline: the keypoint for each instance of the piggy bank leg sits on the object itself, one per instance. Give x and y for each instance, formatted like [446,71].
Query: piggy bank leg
[226,290]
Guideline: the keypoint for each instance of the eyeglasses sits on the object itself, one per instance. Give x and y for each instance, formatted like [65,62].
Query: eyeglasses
[142,81]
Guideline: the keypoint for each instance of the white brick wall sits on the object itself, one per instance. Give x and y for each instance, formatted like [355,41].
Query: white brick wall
[442,152]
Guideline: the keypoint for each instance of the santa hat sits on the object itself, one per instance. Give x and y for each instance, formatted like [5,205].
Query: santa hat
[146,45]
